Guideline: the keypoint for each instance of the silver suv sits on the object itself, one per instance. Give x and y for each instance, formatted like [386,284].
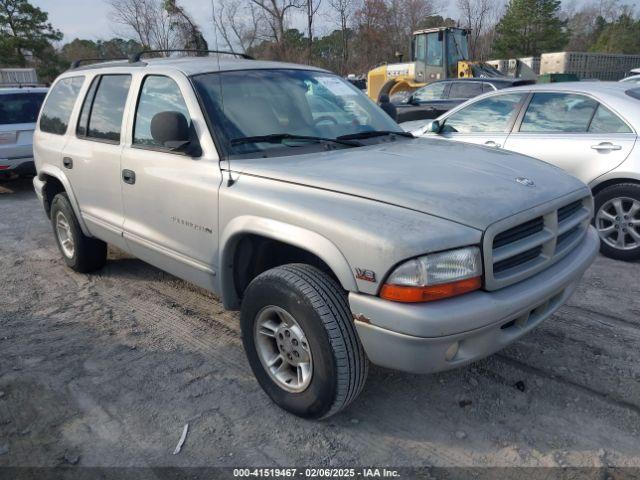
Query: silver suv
[283,189]
[19,109]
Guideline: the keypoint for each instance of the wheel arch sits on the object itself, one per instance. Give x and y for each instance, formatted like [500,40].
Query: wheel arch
[604,182]
[56,181]
[283,235]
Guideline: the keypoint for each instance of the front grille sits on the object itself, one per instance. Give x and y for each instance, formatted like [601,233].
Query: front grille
[568,210]
[516,233]
[516,260]
[521,246]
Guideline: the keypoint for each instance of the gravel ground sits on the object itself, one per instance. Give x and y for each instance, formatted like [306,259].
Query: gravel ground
[105,369]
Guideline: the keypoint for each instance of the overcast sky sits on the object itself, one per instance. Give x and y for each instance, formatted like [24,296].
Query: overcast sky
[90,18]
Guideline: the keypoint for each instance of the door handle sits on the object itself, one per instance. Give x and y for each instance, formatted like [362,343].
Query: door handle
[491,143]
[67,162]
[129,176]
[606,147]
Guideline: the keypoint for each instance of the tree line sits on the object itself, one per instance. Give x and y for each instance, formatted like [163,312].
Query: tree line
[346,36]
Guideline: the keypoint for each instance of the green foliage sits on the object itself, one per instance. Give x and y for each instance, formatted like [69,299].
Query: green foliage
[621,36]
[24,30]
[529,28]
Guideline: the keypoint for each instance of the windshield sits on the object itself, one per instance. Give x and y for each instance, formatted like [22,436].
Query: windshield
[457,50]
[257,113]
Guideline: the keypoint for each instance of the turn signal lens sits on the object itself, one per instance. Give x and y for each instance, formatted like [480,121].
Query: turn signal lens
[436,276]
[399,293]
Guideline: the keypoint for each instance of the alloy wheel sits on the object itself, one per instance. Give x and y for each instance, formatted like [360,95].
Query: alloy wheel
[65,237]
[283,349]
[618,223]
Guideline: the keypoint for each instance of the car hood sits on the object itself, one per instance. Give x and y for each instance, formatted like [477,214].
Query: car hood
[472,185]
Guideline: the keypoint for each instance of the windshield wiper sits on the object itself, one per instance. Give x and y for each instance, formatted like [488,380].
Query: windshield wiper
[373,133]
[280,137]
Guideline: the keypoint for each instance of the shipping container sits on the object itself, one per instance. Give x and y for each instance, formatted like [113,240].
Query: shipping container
[17,77]
[599,66]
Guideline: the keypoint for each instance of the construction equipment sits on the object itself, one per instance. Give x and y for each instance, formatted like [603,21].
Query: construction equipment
[436,54]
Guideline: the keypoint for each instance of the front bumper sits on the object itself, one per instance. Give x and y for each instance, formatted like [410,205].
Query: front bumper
[431,337]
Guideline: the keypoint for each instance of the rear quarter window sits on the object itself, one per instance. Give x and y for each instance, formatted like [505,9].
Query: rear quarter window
[57,109]
[20,107]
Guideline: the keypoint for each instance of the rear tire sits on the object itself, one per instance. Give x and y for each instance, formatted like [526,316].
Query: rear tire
[617,219]
[324,325]
[83,254]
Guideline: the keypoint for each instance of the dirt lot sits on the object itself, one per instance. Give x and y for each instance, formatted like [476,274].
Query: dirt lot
[105,369]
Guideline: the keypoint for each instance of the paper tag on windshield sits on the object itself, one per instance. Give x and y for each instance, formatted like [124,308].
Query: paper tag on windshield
[336,86]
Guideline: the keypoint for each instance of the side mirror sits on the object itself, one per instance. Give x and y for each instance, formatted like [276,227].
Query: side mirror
[171,130]
[413,100]
[433,127]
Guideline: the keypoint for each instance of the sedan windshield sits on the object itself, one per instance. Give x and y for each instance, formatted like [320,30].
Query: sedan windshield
[258,113]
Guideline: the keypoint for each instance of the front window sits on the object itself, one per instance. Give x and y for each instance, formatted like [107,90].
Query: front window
[434,49]
[258,113]
[457,50]
[491,115]
[20,107]
[158,94]
[435,91]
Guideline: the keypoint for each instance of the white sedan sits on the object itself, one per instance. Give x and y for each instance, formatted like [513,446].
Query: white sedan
[589,129]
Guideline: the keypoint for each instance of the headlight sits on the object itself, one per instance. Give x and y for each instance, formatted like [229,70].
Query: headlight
[435,276]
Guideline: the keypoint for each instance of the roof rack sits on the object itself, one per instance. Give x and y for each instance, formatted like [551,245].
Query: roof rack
[136,56]
[77,63]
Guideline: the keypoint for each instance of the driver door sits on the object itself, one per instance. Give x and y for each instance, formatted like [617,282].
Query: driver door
[170,199]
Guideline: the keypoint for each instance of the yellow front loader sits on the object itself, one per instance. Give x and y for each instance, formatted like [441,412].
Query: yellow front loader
[436,54]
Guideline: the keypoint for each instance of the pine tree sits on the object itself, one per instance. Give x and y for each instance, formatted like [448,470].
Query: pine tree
[24,29]
[529,28]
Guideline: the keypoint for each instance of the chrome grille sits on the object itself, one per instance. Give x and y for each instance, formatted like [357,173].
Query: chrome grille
[527,243]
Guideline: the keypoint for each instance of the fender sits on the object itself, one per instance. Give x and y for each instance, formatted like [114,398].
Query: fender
[55,172]
[615,176]
[283,232]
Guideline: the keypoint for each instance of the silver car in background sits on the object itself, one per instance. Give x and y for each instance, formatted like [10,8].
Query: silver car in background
[19,108]
[589,129]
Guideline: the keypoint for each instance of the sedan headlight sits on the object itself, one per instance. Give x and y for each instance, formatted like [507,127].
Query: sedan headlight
[436,276]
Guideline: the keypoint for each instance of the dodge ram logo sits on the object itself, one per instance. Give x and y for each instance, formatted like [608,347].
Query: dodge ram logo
[527,182]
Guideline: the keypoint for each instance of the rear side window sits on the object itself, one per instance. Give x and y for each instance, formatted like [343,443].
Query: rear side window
[465,89]
[158,94]
[57,109]
[559,113]
[605,121]
[103,108]
[20,107]
[491,115]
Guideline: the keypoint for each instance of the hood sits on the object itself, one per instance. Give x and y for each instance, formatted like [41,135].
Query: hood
[469,184]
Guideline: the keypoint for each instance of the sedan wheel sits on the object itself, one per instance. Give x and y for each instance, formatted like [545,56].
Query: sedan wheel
[618,223]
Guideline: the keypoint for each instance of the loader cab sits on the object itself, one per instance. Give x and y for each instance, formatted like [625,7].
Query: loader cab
[437,51]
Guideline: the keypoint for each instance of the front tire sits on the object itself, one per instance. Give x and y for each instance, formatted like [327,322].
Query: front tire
[83,254]
[301,342]
[617,220]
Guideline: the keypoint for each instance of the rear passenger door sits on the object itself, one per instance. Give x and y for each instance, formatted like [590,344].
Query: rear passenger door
[574,132]
[460,92]
[92,156]
[170,198]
